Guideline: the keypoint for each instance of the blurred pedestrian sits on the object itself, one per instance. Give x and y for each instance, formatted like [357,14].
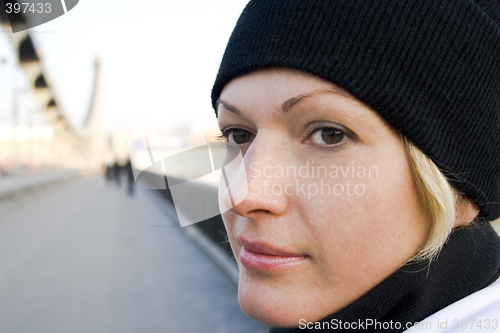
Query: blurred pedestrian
[117,173]
[130,178]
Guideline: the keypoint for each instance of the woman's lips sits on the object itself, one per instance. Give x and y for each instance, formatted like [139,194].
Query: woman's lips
[261,257]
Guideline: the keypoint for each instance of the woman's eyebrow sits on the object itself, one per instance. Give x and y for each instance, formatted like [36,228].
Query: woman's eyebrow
[227,106]
[291,102]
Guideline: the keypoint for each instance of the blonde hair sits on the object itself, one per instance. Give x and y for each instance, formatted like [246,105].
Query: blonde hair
[438,195]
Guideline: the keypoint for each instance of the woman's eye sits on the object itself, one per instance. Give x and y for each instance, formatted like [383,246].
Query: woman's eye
[328,136]
[239,136]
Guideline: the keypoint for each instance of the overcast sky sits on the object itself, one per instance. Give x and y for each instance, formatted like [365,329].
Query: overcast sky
[159,57]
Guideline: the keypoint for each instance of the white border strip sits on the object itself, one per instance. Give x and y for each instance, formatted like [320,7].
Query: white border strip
[64,6]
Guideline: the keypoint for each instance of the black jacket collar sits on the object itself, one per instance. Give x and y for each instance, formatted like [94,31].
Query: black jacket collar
[468,262]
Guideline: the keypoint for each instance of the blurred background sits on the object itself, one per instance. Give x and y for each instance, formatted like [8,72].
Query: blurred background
[84,97]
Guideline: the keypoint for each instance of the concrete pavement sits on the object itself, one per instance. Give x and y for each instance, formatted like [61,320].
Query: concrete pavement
[13,185]
[86,257]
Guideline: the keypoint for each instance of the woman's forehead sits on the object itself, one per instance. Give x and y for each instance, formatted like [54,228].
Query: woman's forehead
[284,87]
[287,96]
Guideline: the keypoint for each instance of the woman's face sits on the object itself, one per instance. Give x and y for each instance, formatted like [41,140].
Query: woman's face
[331,208]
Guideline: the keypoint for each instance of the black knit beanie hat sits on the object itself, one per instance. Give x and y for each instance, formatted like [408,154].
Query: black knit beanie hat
[431,68]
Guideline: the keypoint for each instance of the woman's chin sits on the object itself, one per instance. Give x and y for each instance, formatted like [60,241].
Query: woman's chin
[268,311]
[275,303]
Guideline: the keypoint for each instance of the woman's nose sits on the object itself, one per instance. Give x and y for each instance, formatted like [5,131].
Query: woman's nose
[250,185]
